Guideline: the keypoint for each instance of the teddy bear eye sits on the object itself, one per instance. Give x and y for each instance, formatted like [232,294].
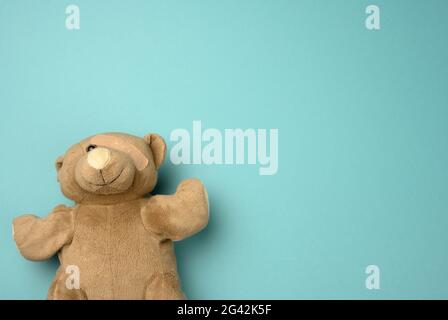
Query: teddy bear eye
[91,147]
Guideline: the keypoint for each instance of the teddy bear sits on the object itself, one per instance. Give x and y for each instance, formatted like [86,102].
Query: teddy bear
[117,235]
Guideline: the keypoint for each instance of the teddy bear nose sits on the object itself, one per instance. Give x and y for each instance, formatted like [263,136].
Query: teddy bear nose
[98,158]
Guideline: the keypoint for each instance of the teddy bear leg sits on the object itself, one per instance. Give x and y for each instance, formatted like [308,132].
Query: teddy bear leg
[59,291]
[164,287]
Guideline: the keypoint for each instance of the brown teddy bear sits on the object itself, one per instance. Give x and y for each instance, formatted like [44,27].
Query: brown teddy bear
[118,240]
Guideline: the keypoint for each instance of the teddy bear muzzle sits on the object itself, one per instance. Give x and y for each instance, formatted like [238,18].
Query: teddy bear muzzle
[105,171]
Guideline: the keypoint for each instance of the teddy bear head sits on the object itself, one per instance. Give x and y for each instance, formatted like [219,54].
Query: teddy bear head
[110,168]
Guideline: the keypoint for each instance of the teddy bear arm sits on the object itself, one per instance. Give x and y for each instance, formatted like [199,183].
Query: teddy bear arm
[180,215]
[40,238]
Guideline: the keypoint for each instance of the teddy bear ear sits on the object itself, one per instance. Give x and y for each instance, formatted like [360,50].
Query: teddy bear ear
[59,162]
[158,148]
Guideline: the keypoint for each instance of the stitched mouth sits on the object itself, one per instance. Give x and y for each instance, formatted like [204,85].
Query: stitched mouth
[107,183]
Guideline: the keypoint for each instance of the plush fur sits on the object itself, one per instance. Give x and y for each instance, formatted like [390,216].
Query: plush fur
[120,240]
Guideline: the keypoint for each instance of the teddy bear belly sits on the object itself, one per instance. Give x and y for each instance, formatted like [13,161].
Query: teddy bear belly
[116,256]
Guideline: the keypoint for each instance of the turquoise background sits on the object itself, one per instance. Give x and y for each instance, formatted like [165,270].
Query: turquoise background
[363,134]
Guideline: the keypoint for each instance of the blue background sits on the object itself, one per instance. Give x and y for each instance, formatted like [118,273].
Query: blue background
[362,118]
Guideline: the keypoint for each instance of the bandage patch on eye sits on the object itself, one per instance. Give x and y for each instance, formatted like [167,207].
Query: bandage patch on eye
[140,160]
